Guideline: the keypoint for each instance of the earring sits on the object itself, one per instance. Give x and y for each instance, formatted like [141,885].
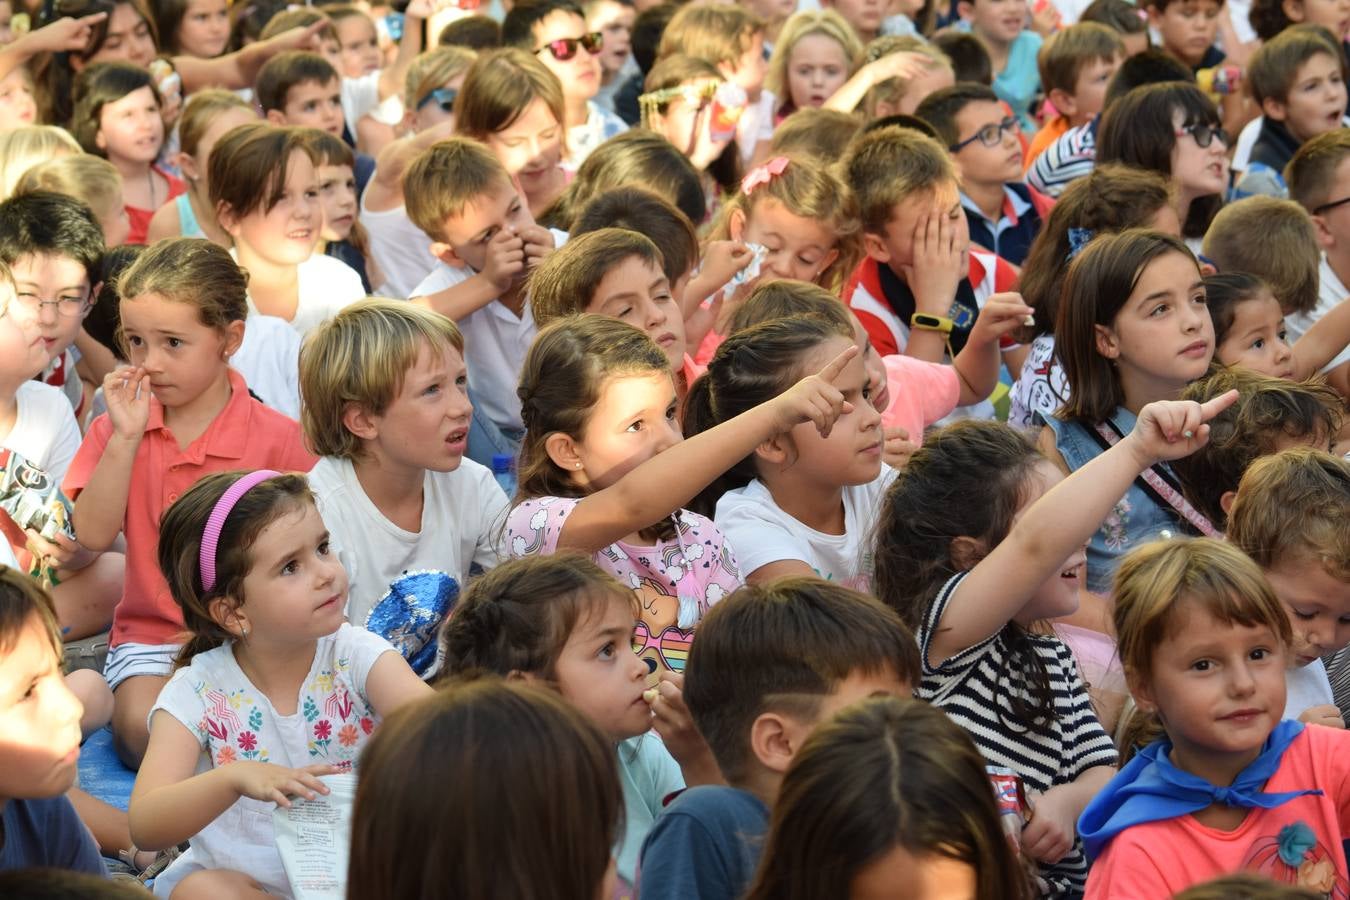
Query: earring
[243,631]
[577,466]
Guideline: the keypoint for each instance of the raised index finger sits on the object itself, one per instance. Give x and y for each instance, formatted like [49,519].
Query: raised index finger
[836,365]
[1212,407]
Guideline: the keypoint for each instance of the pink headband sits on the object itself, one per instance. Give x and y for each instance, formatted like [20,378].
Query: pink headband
[216,521]
[763,174]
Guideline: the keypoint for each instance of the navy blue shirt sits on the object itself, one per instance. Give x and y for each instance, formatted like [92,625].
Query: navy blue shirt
[706,844]
[1012,235]
[47,834]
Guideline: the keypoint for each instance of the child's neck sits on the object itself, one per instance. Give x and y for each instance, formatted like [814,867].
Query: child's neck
[1221,770]
[274,288]
[998,52]
[140,185]
[1140,390]
[761,781]
[395,490]
[815,505]
[576,112]
[190,421]
[987,197]
[278,670]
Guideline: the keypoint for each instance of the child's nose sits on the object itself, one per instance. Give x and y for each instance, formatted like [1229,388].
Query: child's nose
[653,314]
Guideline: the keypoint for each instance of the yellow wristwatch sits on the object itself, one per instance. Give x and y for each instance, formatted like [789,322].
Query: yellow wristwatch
[926,322]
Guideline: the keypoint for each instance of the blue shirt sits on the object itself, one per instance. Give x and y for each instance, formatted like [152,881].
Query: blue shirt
[1011,236]
[705,846]
[1020,81]
[47,834]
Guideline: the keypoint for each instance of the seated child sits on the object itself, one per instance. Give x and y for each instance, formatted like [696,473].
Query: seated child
[1076,65]
[90,179]
[1003,215]
[638,158]
[342,237]
[507,759]
[562,623]
[486,241]
[1002,29]
[818,648]
[41,747]
[1289,516]
[918,272]
[1206,646]
[1250,330]
[1187,28]
[935,830]
[815,55]
[555,31]
[894,75]
[387,410]
[1297,80]
[823,134]
[273,689]
[182,316]
[614,20]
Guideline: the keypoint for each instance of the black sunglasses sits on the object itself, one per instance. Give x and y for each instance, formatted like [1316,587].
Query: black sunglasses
[443,97]
[1205,134]
[564,49]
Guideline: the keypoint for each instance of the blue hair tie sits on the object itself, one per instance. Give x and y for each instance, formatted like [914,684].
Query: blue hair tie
[1078,239]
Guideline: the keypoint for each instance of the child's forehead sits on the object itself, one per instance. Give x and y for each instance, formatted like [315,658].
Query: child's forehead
[310,87]
[1190,7]
[978,113]
[49,269]
[560,23]
[944,196]
[24,654]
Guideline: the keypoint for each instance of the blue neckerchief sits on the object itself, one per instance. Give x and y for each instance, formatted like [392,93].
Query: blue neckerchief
[1151,789]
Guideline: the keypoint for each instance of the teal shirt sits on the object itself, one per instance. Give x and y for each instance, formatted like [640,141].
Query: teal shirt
[648,774]
[1020,81]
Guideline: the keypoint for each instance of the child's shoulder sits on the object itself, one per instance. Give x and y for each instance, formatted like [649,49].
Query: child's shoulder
[442,276]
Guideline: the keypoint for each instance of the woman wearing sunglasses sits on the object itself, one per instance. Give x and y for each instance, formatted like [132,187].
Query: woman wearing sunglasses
[555,31]
[398,246]
[1172,129]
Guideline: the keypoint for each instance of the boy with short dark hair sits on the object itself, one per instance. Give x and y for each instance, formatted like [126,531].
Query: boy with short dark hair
[1297,79]
[1187,29]
[770,663]
[1001,26]
[1076,65]
[1003,214]
[486,241]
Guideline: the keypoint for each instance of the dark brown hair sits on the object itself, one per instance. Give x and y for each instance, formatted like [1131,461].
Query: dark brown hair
[784,297]
[180,541]
[20,598]
[639,210]
[516,618]
[450,784]
[885,773]
[286,70]
[97,86]
[249,166]
[636,158]
[784,647]
[193,271]
[565,283]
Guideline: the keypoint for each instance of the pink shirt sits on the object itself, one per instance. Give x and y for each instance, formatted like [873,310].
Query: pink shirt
[921,393]
[1297,843]
[246,435]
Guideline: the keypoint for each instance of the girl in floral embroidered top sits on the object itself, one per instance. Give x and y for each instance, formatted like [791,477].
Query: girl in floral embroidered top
[274,689]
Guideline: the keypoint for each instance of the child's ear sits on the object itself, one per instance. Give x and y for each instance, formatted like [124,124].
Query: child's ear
[446,254]
[965,9]
[1226,501]
[275,117]
[1142,692]
[1293,11]
[229,614]
[1064,102]
[736,224]
[774,740]
[227,219]
[1274,109]
[966,552]
[234,337]
[358,420]
[776,451]
[187,165]
[1107,344]
[563,451]
[885,108]
[1325,239]
[876,247]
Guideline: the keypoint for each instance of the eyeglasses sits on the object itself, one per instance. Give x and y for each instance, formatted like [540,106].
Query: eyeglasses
[671,645]
[1318,210]
[990,135]
[442,97]
[1204,134]
[66,306]
[564,49]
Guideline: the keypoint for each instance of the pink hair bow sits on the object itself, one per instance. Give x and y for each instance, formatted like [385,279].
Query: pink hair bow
[763,175]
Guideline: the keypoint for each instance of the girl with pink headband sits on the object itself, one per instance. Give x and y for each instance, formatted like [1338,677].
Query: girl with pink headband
[274,688]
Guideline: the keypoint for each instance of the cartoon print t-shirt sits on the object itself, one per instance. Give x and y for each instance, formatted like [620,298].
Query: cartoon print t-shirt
[233,721]
[676,580]
[1297,843]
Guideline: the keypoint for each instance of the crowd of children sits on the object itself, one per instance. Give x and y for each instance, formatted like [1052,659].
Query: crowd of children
[615,448]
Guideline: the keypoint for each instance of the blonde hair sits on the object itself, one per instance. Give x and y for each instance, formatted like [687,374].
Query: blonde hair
[824,22]
[815,131]
[201,111]
[1312,172]
[433,69]
[1272,239]
[1294,505]
[566,281]
[1158,579]
[891,90]
[92,180]
[360,357]
[717,32]
[889,165]
[808,189]
[445,178]
[498,88]
[24,147]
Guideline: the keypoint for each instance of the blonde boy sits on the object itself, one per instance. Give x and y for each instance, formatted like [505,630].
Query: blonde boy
[386,407]
[1290,517]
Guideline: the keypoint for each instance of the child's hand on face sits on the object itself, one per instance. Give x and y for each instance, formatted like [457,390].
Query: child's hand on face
[723,259]
[815,398]
[673,722]
[127,393]
[1050,833]
[896,447]
[277,784]
[505,259]
[1171,429]
[1001,314]
[937,266]
[538,242]
[1327,715]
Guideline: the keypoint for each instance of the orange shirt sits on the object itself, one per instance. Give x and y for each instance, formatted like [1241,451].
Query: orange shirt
[246,435]
[1048,134]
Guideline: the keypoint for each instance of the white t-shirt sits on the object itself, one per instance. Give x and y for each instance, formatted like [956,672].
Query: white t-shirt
[360,97]
[403,584]
[234,721]
[762,533]
[269,360]
[1330,294]
[44,432]
[326,286]
[401,249]
[1306,687]
[755,125]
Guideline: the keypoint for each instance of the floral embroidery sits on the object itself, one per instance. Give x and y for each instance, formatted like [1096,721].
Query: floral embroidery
[323,682]
[367,724]
[347,736]
[225,756]
[323,730]
[311,709]
[338,705]
[1114,526]
[248,740]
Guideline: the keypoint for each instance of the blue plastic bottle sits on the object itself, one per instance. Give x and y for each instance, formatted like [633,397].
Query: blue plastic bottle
[504,470]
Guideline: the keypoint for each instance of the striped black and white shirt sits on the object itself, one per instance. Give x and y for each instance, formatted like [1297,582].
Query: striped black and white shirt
[976,688]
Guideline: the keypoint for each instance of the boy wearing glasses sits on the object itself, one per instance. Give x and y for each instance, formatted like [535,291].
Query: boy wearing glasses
[1003,214]
[555,31]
